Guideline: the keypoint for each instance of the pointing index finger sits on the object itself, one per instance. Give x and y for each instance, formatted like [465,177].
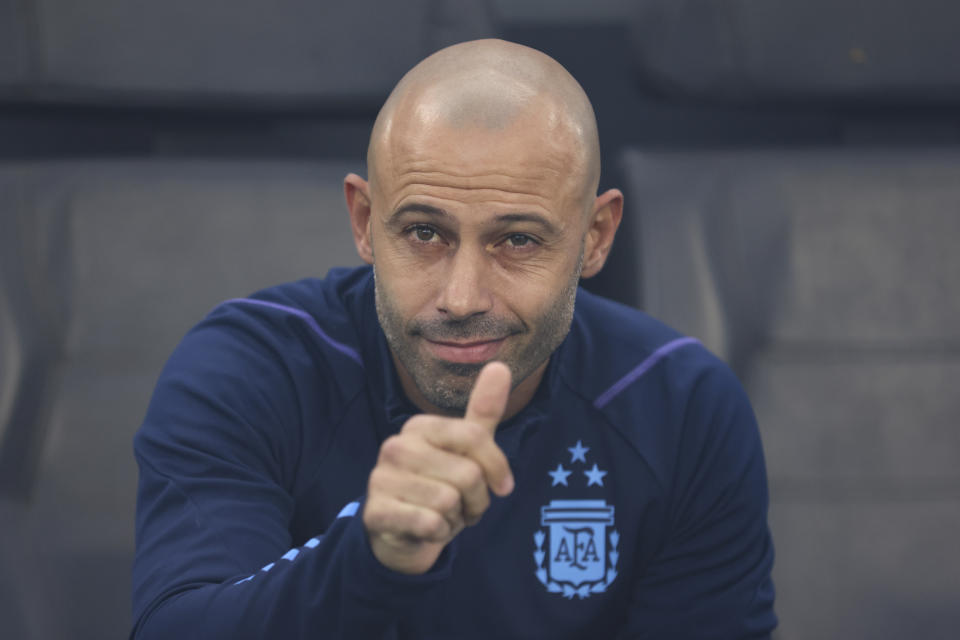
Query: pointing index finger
[488,400]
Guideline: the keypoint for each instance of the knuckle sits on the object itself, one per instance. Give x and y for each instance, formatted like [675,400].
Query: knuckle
[499,465]
[479,503]
[447,500]
[379,480]
[417,423]
[469,475]
[393,449]
[374,516]
[484,500]
[431,525]
[473,433]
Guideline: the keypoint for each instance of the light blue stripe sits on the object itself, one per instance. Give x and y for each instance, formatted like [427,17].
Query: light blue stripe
[349,510]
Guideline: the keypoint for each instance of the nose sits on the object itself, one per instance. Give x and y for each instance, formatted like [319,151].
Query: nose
[465,292]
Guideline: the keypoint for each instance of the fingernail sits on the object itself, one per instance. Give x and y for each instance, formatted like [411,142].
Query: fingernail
[506,486]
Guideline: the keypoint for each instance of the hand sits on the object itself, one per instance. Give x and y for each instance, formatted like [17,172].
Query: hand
[432,479]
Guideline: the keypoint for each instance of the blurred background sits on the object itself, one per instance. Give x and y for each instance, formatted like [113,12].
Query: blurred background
[792,175]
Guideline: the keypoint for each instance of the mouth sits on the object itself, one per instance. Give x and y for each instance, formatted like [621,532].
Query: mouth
[474,351]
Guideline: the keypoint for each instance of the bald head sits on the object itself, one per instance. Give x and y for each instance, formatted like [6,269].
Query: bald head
[480,216]
[493,86]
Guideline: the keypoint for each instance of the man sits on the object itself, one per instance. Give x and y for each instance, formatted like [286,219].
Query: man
[456,442]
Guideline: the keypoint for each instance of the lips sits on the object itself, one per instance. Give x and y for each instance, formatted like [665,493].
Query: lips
[469,352]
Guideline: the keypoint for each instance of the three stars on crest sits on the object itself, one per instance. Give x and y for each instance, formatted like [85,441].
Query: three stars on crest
[578,452]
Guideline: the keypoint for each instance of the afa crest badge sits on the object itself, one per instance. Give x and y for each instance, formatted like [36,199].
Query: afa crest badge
[576,552]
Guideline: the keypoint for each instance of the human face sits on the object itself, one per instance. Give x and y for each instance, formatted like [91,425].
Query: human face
[478,240]
[442,356]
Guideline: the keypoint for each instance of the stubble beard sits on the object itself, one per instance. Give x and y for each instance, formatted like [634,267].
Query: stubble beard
[447,385]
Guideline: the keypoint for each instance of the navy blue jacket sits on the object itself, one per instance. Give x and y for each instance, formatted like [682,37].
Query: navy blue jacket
[640,507]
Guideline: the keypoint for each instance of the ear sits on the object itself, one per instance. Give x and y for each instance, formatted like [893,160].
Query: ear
[356,190]
[604,220]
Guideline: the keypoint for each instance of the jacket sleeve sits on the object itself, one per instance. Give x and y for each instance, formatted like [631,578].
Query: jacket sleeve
[712,575]
[217,452]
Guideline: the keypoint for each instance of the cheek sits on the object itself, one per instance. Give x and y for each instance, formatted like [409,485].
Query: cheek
[529,300]
[540,277]
[394,254]
[536,293]
[409,289]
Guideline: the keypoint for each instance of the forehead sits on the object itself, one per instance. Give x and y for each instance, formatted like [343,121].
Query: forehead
[534,158]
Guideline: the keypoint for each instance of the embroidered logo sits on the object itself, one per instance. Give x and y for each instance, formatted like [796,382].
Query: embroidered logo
[575,554]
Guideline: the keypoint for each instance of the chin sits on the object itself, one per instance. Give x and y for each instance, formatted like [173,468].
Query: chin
[459,369]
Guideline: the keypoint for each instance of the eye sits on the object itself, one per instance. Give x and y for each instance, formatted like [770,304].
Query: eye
[423,233]
[520,240]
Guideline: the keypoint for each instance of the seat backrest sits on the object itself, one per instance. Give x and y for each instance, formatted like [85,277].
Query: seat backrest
[14,60]
[818,247]
[331,53]
[893,52]
[31,336]
[143,251]
[829,279]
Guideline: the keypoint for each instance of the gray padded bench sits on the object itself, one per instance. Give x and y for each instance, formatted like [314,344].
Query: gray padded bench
[831,281]
[117,261]
[281,52]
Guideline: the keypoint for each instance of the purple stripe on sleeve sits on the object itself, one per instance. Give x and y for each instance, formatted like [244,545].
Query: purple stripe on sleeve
[306,317]
[641,369]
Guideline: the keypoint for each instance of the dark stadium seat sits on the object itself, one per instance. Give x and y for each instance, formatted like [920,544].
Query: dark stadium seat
[142,250]
[829,278]
[786,50]
[265,51]
[13,39]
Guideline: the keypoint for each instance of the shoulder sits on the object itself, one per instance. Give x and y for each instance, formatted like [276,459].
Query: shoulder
[264,364]
[659,388]
[309,326]
[312,322]
[613,350]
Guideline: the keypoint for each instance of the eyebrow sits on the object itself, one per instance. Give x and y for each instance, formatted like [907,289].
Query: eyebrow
[418,207]
[534,218]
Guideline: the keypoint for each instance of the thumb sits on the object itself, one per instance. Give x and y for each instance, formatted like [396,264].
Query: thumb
[488,400]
